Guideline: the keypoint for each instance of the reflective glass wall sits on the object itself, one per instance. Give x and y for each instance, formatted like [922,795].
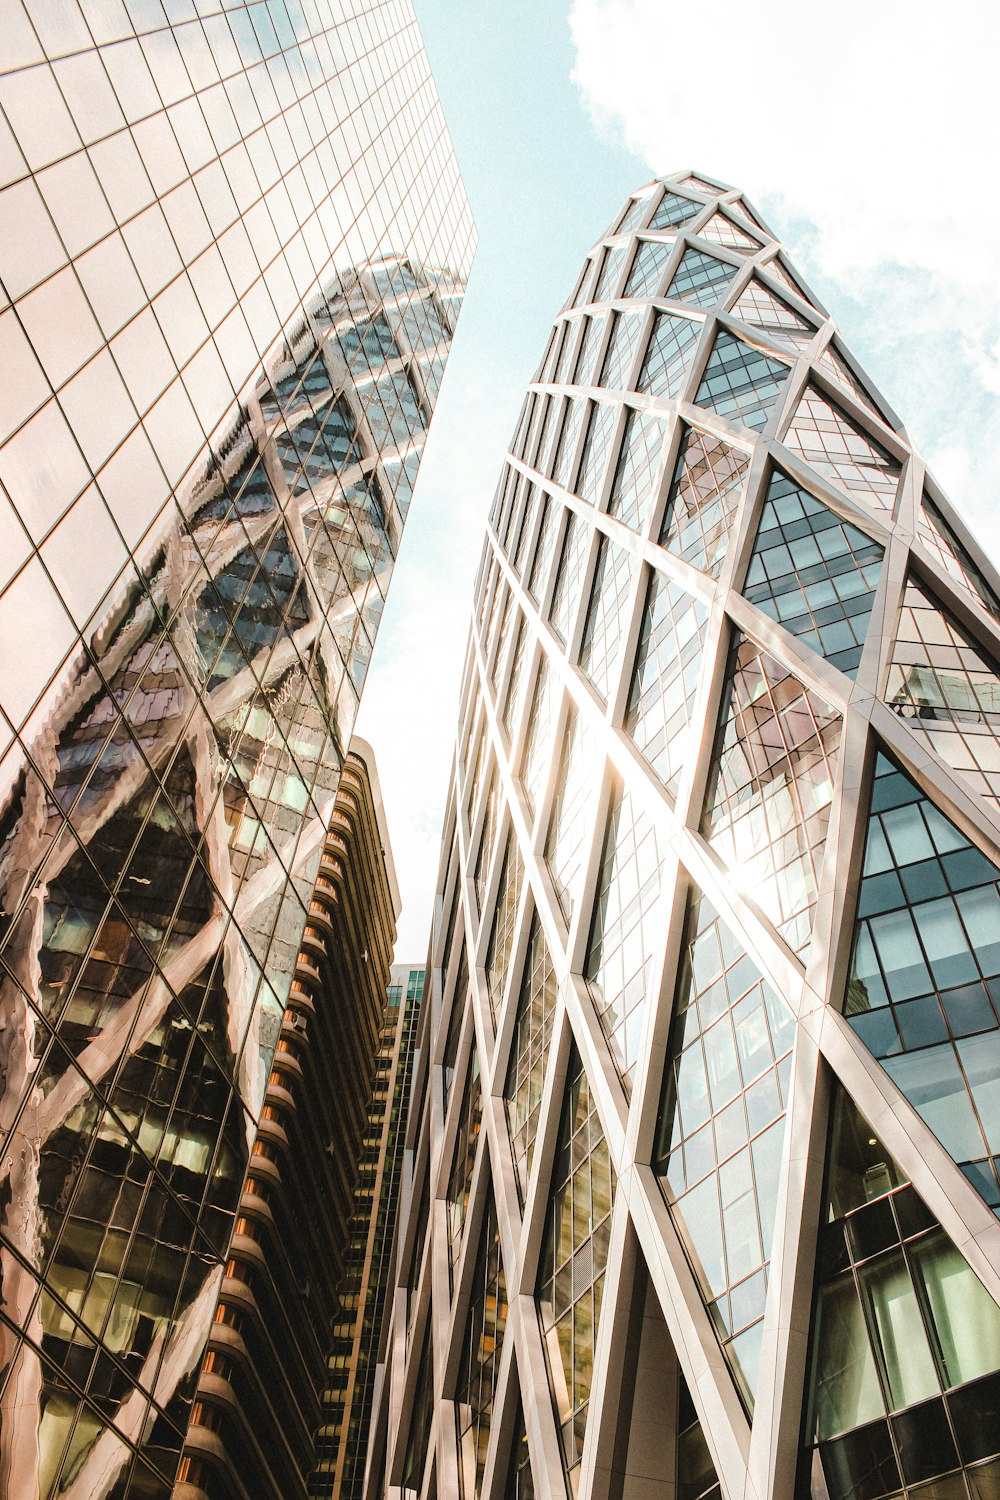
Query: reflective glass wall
[718,935]
[234,247]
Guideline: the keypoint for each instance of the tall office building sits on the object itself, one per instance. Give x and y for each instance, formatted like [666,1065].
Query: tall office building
[701,1181]
[232,249]
[345,1439]
[288,1278]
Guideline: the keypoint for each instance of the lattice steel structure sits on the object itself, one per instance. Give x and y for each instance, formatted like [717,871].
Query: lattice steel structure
[702,1191]
[234,248]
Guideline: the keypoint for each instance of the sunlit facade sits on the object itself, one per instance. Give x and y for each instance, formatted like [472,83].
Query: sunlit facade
[232,253]
[701,1191]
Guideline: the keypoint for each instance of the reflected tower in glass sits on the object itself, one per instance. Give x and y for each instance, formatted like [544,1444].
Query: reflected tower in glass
[234,247]
[702,1190]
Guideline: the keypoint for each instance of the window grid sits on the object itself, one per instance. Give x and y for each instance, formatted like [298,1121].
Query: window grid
[771,785]
[947,689]
[610,592]
[700,279]
[624,929]
[673,210]
[813,573]
[944,546]
[541,562]
[721,1128]
[665,678]
[635,475]
[504,922]
[538,741]
[721,229]
[647,268]
[530,1052]
[925,971]
[463,1161]
[827,438]
[600,431]
[480,1358]
[574,1257]
[624,340]
[567,830]
[704,496]
[562,468]
[668,355]
[761,308]
[515,683]
[740,382]
[569,576]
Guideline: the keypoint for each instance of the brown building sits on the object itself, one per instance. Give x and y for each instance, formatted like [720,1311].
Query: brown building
[257,1405]
[342,1443]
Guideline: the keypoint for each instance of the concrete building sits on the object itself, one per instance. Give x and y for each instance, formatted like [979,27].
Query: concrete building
[233,248]
[700,1194]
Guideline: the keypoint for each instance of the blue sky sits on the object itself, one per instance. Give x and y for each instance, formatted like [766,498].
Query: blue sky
[864,148]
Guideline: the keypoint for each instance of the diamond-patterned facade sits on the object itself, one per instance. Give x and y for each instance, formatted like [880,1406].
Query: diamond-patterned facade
[738,906]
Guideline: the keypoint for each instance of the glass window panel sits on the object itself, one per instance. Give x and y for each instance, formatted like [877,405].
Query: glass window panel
[530,1051]
[826,437]
[700,279]
[741,382]
[927,931]
[633,488]
[771,785]
[610,593]
[813,573]
[704,494]
[944,546]
[624,930]
[668,355]
[666,677]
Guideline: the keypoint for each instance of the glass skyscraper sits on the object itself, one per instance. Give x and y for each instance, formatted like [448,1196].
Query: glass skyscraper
[701,1195]
[233,245]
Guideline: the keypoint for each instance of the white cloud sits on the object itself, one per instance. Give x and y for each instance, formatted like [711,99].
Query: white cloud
[862,133]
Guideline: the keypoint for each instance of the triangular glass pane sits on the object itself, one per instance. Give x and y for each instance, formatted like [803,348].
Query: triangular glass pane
[777,269]
[813,573]
[668,355]
[905,1338]
[480,1359]
[944,546]
[771,785]
[635,212]
[834,364]
[606,618]
[520,1480]
[632,490]
[723,231]
[721,1128]
[674,210]
[537,747]
[704,495]
[741,382]
[586,364]
[569,436]
[624,930]
[611,272]
[574,1257]
[760,308]
[665,678]
[947,689]
[504,918]
[700,279]
[488,837]
[524,527]
[603,419]
[544,547]
[647,268]
[620,357]
[568,827]
[464,1158]
[924,989]
[512,698]
[569,576]
[701,185]
[836,446]
[696,1476]
[529,1052]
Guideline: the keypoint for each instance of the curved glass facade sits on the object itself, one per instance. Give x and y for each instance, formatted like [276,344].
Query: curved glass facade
[744,776]
[229,289]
